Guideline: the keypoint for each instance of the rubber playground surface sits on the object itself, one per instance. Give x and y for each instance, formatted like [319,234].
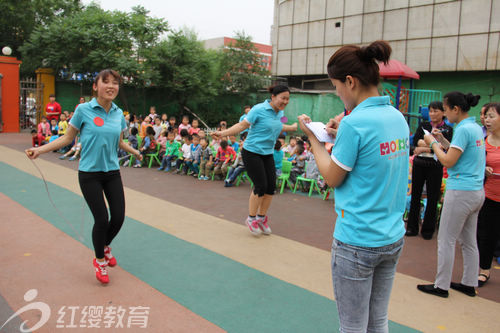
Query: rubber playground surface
[187,263]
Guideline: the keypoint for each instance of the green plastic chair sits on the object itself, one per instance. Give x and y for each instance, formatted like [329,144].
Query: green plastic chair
[282,180]
[242,177]
[313,184]
[154,156]
[327,193]
[132,157]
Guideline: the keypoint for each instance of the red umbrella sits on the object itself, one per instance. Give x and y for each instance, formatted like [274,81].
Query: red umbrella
[396,69]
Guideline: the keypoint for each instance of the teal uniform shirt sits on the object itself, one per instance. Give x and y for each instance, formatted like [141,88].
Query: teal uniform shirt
[373,146]
[265,127]
[468,173]
[100,133]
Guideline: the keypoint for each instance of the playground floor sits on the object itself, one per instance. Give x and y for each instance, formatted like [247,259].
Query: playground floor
[187,263]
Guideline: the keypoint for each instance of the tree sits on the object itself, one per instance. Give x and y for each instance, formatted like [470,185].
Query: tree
[240,67]
[94,39]
[20,17]
[185,68]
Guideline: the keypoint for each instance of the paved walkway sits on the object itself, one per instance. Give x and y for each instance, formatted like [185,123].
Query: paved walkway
[185,258]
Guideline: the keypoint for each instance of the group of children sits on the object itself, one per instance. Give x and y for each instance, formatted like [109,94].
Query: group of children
[299,153]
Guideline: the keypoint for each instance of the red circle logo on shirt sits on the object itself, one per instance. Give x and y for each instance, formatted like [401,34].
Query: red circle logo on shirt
[98,121]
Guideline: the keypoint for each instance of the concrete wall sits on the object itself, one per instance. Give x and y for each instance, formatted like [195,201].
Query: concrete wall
[427,35]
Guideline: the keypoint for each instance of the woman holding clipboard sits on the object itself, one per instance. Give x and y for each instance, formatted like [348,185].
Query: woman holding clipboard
[368,168]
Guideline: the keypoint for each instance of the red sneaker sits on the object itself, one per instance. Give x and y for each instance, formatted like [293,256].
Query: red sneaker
[101,273]
[109,257]
[266,230]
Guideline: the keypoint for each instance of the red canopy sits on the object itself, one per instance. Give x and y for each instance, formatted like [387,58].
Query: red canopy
[396,69]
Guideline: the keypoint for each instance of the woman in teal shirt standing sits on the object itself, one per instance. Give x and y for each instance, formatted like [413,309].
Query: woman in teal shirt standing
[264,123]
[101,125]
[466,162]
[368,168]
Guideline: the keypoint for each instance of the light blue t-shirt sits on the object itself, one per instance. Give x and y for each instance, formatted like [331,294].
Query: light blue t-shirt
[278,158]
[265,127]
[99,134]
[373,146]
[468,173]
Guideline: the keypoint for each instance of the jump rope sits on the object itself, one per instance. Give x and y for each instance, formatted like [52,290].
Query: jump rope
[61,215]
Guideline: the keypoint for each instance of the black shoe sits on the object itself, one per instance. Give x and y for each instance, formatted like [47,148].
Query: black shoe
[430,289]
[481,283]
[467,290]
[427,236]
[411,233]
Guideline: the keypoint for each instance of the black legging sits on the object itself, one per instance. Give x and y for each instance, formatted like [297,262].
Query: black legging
[488,232]
[430,172]
[93,184]
[261,170]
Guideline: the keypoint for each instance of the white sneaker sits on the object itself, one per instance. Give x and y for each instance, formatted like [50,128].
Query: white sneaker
[266,230]
[253,226]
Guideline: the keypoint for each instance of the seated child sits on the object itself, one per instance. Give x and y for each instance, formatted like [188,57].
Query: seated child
[206,160]
[157,127]
[43,131]
[148,145]
[162,140]
[194,127]
[185,157]
[63,127]
[292,146]
[132,141]
[75,150]
[54,136]
[312,171]
[225,155]
[298,162]
[234,143]
[184,125]
[195,150]
[237,168]
[53,126]
[278,156]
[171,151]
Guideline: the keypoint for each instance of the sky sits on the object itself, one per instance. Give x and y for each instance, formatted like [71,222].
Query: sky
[208,18]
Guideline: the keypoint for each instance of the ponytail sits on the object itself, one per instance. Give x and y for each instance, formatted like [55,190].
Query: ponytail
[359,62]
[463,101]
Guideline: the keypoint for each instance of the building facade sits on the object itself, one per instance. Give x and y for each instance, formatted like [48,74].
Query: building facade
[265,51]
[430,36]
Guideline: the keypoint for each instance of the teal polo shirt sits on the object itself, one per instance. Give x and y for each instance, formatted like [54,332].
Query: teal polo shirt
[373,146]
[265,127]
[468,173]
[100,133]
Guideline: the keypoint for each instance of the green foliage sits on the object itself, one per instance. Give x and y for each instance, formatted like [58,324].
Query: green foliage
[19,17]
[93,39]
[184,68]
[240,68]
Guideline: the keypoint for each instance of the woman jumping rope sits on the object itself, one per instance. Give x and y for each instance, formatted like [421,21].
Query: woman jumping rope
[101,124]
[264,121]
[368,168]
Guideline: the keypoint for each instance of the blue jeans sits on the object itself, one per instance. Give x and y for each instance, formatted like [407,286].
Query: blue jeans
[166,161]
[362,280]
[234,173]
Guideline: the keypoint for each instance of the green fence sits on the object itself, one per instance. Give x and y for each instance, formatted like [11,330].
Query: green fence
[410,101]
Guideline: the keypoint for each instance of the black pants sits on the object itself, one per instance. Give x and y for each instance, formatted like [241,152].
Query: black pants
[262,172]
[93,185]
[488,231]
[430,172]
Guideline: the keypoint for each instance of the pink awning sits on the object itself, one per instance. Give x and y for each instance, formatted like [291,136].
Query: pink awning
[396,69]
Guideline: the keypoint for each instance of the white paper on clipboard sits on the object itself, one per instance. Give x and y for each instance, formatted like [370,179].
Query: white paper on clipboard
[318,128]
